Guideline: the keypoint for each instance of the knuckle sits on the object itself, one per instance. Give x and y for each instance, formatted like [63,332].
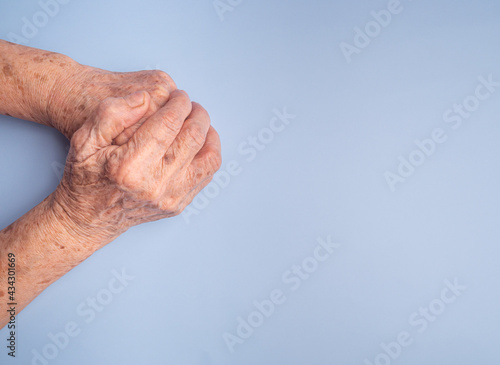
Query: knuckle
[113,168]
[171,205]
[201,110]
[107,108]
[154,194]
[195,135]
[163,78]
[214,160]
[201,114]
[169,123]
[118,174]
[159,90]
[183,97]
[161,75]
[135,184]
[141,187]
[123,175]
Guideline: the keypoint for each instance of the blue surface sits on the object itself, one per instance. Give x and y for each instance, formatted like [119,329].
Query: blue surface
[396,252]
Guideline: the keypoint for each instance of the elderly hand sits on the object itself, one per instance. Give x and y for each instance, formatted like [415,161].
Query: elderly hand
[80,90]
[108,188]
[140,151]
[55,90]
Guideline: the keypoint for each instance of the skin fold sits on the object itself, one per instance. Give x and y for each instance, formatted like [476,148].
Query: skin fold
[140,151]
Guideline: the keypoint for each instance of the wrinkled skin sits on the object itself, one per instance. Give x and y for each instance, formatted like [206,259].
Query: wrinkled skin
[140,151]
[155,174]
[76,96]
[110,189]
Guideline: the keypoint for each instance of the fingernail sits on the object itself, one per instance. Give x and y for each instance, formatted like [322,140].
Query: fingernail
[135,100]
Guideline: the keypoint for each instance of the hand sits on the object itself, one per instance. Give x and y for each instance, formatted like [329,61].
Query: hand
[80,90]
[107,188]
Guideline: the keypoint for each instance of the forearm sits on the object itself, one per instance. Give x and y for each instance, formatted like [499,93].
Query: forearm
[54,90]
[28,79]
[46,246]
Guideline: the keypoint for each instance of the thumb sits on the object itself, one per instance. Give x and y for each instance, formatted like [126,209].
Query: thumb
[114,115]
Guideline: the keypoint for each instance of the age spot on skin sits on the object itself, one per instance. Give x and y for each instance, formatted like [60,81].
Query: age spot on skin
[1,293]
[38,59]
[81,107]
[7,70]
[62,65]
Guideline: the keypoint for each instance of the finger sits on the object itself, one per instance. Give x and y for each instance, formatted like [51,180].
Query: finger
[159,85]
[157,102]
[208,160]
[155,135]
[129,132]
[114,115]
[190,139]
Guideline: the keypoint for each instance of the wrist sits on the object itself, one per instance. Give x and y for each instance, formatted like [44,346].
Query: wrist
[80,227]
[66,100]
[81,221]
[44,79]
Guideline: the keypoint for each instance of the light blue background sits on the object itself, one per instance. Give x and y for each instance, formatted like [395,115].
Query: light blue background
[323,175]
